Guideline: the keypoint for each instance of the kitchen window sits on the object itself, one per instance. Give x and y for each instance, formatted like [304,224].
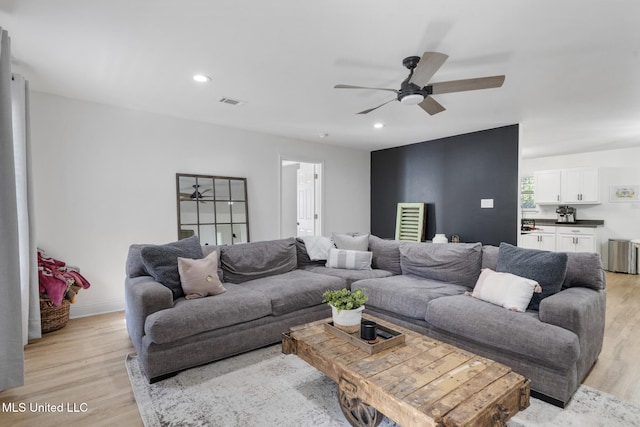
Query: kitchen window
[527,197]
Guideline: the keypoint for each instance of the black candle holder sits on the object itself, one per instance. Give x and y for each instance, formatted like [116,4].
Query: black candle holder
[368,330]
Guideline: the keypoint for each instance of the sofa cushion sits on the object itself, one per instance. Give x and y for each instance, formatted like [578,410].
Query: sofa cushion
[457,263]
[386,254]
[161,261]
[581,267]
[199,277]
[191,317]
[519,334]
[134,266]
[505,289]
[546,268]
[490,256]
[208,249]
[405,295]
[294,290]
[358,242]
[348,259]
[349,275]
[249,261]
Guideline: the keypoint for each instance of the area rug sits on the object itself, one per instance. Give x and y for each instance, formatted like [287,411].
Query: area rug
[267,388]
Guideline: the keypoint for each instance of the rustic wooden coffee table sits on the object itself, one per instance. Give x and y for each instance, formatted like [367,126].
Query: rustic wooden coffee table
[420,382]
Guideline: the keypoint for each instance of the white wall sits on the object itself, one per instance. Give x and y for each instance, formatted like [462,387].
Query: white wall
[617,167]
[104,178]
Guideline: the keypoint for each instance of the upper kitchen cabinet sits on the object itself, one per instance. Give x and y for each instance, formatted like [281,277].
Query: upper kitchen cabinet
[547,187]
[568,186]
[580,185]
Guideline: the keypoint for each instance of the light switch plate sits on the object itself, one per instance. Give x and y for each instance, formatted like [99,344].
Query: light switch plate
[486,203]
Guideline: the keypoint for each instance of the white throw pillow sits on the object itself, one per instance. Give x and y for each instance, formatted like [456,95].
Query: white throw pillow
[350,260]
[317,247]
[505,289]
[199,277]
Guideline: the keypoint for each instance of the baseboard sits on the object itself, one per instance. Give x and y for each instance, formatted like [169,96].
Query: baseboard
[84,310]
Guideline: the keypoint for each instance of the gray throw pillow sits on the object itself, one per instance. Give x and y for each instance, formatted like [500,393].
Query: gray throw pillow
[386,254]
[546,268]
[359,242]
[161,261]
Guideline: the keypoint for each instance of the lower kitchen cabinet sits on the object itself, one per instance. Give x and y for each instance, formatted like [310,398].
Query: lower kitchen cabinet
[577,239]
[544,238]
[562,239]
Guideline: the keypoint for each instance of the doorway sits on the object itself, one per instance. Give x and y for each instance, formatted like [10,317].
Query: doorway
[301,199]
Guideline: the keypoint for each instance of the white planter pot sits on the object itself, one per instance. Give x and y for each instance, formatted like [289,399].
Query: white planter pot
[347,320]
[440,238]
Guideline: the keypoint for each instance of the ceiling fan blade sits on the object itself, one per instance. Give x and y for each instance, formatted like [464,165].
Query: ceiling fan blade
[427,67]
[362,87]
[431,106]
[467,84]
[375,108]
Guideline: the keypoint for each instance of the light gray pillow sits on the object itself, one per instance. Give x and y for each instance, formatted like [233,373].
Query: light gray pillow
[248,261]
[359,242]
[161,261]
[348,259]
[457,263]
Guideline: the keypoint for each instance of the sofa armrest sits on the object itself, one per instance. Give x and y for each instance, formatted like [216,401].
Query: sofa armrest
[143,296]
[582,311]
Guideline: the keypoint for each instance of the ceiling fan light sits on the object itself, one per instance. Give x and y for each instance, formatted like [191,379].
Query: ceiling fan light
[201,78]
[412,99]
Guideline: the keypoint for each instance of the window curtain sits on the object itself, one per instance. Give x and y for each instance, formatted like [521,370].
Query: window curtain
[19,298]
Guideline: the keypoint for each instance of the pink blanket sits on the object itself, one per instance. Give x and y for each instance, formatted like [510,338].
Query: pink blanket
[53,275]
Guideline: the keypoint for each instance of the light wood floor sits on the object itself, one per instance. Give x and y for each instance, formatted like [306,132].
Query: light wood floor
[83,363]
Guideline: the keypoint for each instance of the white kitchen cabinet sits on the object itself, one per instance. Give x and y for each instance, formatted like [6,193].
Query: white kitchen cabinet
[577,239]
[543,238]
[567,186]
[580,186]
[547,186]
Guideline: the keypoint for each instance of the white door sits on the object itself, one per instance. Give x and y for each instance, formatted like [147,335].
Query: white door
[300,199]
[306,200]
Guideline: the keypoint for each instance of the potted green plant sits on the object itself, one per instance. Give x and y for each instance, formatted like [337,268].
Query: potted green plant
[346,308]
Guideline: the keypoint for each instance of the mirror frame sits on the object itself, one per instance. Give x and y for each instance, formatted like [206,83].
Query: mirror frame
[228,198]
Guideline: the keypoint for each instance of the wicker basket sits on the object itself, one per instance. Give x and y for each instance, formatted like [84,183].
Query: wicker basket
[53,318]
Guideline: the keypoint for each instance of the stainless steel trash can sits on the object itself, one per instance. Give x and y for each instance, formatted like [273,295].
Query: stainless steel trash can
[635,256]
[619,255]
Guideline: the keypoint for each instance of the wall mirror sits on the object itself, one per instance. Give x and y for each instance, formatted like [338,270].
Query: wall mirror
[214,208]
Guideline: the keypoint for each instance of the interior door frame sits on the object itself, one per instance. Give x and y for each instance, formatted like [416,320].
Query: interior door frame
[320,185]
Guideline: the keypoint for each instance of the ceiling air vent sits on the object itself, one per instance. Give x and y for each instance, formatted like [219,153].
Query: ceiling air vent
[231,101]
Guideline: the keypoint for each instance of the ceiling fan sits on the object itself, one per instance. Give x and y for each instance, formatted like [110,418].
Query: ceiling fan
[196,195]
[415,89]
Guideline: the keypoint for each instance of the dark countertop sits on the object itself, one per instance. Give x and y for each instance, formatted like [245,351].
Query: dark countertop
[579,223]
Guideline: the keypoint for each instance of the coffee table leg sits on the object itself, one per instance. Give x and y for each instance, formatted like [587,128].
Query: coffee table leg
[358,413]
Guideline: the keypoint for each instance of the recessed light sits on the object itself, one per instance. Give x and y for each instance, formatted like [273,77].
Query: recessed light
[378,125]
[201,78]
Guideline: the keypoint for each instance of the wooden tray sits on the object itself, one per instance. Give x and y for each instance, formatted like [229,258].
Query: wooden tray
[371,348]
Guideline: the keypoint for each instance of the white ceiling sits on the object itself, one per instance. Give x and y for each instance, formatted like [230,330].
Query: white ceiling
[572,67]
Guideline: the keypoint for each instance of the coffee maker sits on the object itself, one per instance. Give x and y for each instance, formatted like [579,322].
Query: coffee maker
[566,215]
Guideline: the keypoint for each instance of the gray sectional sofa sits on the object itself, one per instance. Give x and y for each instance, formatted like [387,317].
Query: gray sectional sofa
[273,285]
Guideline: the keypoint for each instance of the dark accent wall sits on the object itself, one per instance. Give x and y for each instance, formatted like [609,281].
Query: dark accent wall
[451,175]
